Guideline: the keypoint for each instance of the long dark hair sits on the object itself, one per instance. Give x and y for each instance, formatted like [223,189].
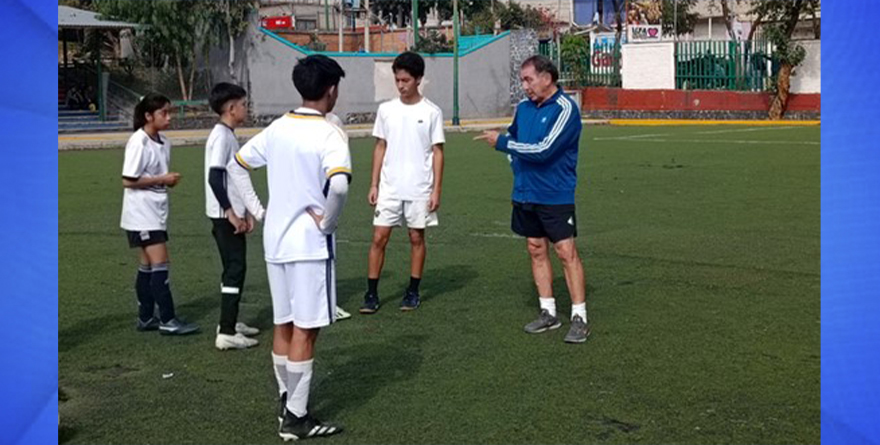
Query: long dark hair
[148,104]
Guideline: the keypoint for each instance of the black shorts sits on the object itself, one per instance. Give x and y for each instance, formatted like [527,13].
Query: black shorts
[144,238]
[556,221]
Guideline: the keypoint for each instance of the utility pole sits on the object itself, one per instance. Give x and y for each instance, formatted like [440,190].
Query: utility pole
[455,120]
[327,15]
[415,22]
[341,22]
[367,22]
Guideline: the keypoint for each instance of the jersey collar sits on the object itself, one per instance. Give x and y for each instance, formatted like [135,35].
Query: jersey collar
[305,111]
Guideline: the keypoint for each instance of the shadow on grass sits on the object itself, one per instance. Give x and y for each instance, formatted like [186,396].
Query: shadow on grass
[358,372]
[87,330]
[447,279]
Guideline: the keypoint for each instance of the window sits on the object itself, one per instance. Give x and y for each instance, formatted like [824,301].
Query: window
[306,25]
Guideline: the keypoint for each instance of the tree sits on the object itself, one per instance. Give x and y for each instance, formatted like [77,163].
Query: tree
[812,7]
[230,18]
[515,16]
[677,17]
[398,11]
[780,17]
[433,42]
[183,30]
[79,4]
[174,28]
[575,54]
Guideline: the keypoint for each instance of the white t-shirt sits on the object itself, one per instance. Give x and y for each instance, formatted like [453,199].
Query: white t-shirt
[302,151]
[145,209]
[219,150]
[410,132]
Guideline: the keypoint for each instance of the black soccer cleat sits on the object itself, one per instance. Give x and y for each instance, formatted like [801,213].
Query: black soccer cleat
[295,428]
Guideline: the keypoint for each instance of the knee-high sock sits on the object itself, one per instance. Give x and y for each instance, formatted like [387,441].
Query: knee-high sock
[159,284]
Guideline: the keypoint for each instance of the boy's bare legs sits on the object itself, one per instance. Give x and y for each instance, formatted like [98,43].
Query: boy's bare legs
[418,252]
[298,346]
[375,262]
[381,236]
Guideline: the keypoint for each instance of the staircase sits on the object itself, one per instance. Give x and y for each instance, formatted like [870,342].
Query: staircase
[84,121]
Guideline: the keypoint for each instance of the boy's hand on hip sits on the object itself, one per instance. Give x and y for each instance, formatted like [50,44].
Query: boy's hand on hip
[315,216]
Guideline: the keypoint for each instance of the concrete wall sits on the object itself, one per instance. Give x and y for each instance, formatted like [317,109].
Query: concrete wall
[807,77]
[648,66]
[483,81]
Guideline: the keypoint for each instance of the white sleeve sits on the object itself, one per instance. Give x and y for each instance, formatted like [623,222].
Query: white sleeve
[336,194]
[220,150]
[253,154]
[133,166]
[336,159]
[240,176]
[437,136]
[379,126]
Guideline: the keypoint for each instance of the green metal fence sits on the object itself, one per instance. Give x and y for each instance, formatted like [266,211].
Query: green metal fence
[597,66]
[724,65]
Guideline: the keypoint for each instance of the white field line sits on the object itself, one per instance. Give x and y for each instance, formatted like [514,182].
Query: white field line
[719,141]
[743,130]
[630,138]
[496,235]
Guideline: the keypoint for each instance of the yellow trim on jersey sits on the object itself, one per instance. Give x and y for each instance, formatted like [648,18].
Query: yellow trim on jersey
[336,170]
[303,116]
[241,162]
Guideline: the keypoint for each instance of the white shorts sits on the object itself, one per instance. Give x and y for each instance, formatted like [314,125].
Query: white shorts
[392,212]
[303,292]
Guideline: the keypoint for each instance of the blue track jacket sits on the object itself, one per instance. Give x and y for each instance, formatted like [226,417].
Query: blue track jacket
[543,146]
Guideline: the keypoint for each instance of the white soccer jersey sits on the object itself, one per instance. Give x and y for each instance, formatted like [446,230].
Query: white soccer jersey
[219,150]
[410,132]
[334,119]
[145,209]
[302,151]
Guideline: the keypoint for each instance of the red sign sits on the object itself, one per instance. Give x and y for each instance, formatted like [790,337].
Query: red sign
[284,21]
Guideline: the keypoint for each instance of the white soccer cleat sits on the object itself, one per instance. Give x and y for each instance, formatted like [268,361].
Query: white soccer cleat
[341,314]
[244,329]
[237,341]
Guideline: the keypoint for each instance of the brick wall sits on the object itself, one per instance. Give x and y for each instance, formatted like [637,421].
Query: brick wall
[681,104]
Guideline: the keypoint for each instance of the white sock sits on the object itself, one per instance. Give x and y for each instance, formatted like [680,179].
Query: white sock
[579,309]
[548,304]
[280,366]
[299,378]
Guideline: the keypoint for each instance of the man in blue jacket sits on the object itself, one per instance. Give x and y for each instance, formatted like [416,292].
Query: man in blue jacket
[542,145]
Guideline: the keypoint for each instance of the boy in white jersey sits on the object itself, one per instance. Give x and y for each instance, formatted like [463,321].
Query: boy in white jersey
[407,176]
[146,180]
[309,168]
[229,218]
